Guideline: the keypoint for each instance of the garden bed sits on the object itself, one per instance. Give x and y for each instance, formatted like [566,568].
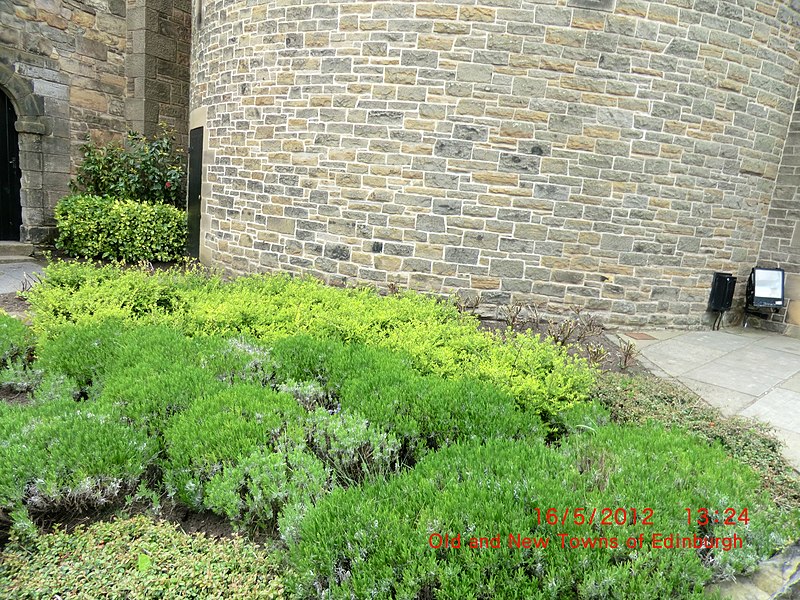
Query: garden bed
[300,414]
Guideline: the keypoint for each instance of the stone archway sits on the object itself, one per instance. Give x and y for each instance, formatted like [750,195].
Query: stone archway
[31,126]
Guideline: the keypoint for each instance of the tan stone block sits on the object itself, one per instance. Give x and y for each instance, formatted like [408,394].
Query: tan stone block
[671,151]
[492,177]
[555,64]
[429,251]
[443,268]
[511,191]
[435,42]
[665,14]
[317,39]
[362,258]
[532,116]
[348,23]
[348,155]
[82,19]
[554,165]
[480,282]
[292,145]
[601,132]
[589,20]
[579,142]
[400,76]
[565,37]
[631,8]
[598,99]
[477,13]
[425,283]
[370,25]
[510,129]
[305,159]
[54,20]
[89,99]
[387,263]
[436,11]
[361,8]
[419,125]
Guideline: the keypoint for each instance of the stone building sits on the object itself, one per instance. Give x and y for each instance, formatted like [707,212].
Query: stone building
[71,69]
[596,153]
[609,154]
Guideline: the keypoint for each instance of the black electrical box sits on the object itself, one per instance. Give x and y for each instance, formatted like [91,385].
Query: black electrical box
[722,288]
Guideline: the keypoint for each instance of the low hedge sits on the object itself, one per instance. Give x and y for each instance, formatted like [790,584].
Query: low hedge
[105,227]
[432,335]
[375,540]
[230,425]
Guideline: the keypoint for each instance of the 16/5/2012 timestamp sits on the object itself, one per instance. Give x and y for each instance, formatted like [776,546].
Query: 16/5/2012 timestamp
[712,516]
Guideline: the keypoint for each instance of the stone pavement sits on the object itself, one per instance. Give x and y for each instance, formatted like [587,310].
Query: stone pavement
[741,371]
[13,275]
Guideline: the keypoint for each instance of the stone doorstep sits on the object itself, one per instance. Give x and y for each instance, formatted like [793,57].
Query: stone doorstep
[19,251]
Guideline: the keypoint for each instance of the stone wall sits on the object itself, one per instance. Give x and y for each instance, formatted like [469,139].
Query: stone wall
[74,69]
[527,151]
[62,64]
[780,247]
[158,65]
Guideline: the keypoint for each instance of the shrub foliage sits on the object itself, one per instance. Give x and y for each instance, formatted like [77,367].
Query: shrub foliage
[351,427]
[108,227]
[145,170]
[137,559]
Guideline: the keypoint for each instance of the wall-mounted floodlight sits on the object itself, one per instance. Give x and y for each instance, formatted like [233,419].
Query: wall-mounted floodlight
[765,288]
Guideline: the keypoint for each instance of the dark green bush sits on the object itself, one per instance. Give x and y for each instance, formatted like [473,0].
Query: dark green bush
[61,455]
[219,431]
[137,559]
[16,339]
[106,227]
[373,541]
[145,170]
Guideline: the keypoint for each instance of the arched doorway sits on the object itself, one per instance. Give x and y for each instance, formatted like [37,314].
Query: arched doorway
[10,173]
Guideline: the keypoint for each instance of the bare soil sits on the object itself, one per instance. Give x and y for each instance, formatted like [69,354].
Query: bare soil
[14,305]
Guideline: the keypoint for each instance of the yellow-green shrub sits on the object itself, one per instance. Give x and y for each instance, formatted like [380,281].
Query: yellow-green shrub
[104,227]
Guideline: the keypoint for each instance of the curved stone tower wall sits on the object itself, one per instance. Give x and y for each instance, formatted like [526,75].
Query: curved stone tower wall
[530,152]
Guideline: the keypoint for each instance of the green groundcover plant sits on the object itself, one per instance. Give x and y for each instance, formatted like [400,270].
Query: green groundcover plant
[137,559]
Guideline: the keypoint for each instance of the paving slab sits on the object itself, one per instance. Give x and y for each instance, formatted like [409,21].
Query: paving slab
[741,371]
[793,383]
[13,276]
[730,402]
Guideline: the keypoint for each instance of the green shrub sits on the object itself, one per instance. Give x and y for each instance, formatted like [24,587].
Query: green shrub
[268,490]
[221,430]
[351,446]
[641,399]
[146,170]
[373,541]
[59,455]
[82,352]
[105,227]
[432,336]
[137,559]
[16,339]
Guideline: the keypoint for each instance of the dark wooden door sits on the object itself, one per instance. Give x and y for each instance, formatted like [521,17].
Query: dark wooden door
[10,174]
[195,190]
